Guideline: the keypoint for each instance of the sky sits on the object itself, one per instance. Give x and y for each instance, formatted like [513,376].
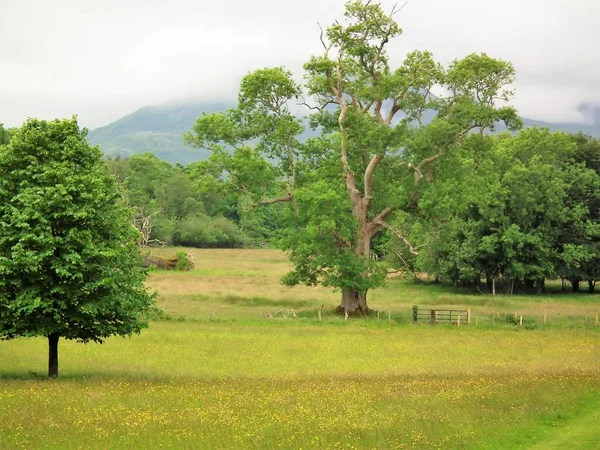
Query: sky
[103,59]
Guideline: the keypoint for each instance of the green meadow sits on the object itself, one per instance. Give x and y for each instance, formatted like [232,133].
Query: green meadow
[239,361]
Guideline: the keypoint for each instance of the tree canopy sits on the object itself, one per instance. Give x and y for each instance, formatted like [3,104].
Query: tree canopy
[382,135]
[69,265]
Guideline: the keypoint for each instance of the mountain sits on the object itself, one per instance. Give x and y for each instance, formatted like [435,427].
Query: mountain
[159,129]
[592,129]
[155,129]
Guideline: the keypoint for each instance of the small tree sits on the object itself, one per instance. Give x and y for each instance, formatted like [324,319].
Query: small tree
[69,265]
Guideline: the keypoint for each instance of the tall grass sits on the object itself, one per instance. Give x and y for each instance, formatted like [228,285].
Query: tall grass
[248,365]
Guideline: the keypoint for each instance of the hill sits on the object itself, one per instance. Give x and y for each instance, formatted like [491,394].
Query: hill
[158,130]
[155,129]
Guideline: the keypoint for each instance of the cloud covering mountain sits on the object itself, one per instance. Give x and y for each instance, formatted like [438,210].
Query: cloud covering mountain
[101,60]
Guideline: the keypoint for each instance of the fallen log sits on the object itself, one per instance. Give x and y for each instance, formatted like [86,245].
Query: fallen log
[159,263]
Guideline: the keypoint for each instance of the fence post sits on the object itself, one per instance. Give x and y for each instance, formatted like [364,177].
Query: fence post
[389,317]
[469,315]
[458,321]
[521,321]
[415,314]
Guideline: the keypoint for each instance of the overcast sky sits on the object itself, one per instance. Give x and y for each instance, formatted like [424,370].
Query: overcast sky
[103,59]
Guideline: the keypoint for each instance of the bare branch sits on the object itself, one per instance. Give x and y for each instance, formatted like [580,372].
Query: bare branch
[286,198]
[318,108]
[394,109]
[378,105]
[325,46]
[379,218]
[144,225]
[396,10]
[366,107]
[400,236]
[368,183]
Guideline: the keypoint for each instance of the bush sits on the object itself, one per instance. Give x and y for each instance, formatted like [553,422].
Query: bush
[184,262]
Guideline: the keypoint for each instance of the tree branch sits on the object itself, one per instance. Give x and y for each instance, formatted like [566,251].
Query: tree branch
[419,168]
[144,225]
[400,236]
[325,46]
[287,198]
[379,218]
[368,183]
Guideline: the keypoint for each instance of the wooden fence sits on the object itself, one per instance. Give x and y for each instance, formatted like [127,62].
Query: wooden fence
[449,316]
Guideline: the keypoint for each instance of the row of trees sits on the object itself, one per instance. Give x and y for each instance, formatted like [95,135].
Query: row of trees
[178,205]
[508,210]
[512,210]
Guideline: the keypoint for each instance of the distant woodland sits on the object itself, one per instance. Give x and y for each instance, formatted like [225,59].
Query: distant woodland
[528,208]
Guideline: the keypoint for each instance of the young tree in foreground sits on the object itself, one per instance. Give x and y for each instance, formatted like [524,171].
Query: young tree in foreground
[69,265]
[383,133]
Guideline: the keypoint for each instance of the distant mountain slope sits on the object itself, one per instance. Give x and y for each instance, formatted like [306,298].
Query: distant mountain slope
[589,129]
[158,130]
[155,129]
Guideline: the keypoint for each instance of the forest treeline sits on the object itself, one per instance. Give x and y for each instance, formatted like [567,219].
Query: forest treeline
[186,206]
[505,213]
[510,212]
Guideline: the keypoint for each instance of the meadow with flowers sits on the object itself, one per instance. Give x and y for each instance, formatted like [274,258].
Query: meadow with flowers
[240,361]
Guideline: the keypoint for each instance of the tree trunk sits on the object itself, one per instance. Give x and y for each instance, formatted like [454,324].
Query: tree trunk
[53,355]
[575,285]
[488,281]
[354,303]
[539,285]
[591,286]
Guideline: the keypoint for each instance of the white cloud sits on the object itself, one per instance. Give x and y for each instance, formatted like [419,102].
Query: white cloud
[104,59]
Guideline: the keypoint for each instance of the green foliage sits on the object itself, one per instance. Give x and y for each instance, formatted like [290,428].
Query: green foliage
[517,210]
[201,230]
[184,263]
[383,136]
[181,206]
[5,135]
[69,265]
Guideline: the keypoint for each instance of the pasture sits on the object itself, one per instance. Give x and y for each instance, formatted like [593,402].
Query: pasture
[240,361]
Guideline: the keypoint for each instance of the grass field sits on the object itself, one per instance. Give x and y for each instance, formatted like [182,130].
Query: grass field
[242,362]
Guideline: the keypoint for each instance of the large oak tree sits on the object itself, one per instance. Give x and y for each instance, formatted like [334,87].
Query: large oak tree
[381,135]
